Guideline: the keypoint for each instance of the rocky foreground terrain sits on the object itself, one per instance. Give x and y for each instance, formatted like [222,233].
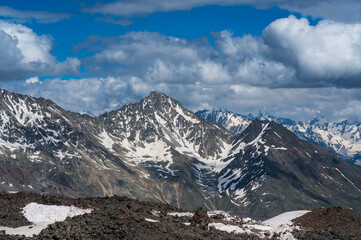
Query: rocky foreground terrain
[124,218]
[329,223]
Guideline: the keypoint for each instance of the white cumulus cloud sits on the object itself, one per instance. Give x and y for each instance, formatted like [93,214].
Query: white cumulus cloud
[32,80]
[326,54]
[26,53]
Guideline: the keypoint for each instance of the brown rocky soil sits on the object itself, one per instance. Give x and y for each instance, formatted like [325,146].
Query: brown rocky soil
[112,218]
[329,223]
[124,218]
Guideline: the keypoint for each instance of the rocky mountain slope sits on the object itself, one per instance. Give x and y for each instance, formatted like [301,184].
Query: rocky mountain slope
[157,150]
[151,150]
[273,169]
[342,138]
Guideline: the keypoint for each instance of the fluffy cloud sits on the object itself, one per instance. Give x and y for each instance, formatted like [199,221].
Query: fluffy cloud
[290,53]
[26,16]
[26,53]
[91,95]
[97,95]
[293,53]
[152,57]
[294,69]
[339,10]
[32,80]
[326,54]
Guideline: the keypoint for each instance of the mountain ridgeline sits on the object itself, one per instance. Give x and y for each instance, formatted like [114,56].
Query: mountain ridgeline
[343,138]
[157,150]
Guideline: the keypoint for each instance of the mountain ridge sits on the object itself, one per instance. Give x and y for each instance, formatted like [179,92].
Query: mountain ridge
[156,150]
[342,137]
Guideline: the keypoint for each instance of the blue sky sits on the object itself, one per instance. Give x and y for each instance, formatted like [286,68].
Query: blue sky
[194,23]
[290,58]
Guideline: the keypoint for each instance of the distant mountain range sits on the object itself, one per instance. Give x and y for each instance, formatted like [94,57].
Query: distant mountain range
[159,151]
[343,138]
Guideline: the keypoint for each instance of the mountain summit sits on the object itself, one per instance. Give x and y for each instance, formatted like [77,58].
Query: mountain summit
[157,150]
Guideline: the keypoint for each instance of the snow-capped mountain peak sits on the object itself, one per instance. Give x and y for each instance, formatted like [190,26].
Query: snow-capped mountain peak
[342,137]
[158,150]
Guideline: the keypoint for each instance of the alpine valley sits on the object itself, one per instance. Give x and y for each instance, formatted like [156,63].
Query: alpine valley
[156,150]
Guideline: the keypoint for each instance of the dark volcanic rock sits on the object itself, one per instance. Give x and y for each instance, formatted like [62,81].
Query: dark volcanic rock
[112,218]
[329,223]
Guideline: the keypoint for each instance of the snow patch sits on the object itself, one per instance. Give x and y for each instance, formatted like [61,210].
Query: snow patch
[106,141]
[139,152]
[282,224]
[181,214]
[347,179]
[185,116]
[151,220]
[40,213]
[43,215]
[285,218]
[228,228]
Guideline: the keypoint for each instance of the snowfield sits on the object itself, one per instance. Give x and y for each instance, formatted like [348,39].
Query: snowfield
[280,224]
[285,218]
[43,215]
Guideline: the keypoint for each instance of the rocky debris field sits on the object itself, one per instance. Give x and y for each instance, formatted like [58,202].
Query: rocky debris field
[329,223]
[124,218]
[112,218]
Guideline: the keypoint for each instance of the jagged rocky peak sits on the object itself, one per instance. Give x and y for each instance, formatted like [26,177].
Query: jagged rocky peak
[155,98]
[159,102]
[267,128]
[269,137]
[25,110]
[154,105]
[6,96]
